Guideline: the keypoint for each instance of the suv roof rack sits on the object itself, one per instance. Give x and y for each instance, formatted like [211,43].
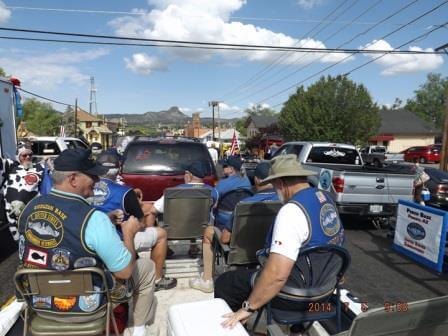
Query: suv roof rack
[158,138]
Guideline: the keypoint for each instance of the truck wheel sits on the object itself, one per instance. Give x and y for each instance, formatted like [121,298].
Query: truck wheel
[422,160]
[377,163]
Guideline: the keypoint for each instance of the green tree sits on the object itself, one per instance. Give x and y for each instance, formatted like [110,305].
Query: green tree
[333,109]
[429,99]
[259,110]
[41,118]
[2,73]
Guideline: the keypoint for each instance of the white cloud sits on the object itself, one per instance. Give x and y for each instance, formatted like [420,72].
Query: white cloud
[223,107]
[185,109]
[5,13]
[144,64]
[399,63]
[47,71]
[209,21]
[308,4]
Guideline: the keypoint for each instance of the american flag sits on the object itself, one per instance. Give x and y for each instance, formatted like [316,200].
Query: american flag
[235,146]
[62,131]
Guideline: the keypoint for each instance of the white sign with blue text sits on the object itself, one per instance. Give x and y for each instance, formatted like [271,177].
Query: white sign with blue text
[420,233]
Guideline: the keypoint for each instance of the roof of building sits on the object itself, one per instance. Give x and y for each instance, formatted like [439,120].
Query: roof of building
[402,121]
[262,121]
[84,116]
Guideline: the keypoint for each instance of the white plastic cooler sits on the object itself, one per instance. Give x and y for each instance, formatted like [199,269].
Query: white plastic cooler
[202,318]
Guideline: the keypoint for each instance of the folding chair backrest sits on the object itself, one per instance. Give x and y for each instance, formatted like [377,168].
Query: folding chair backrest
[425,317]
[186,212]
[251,224]
[229,200]
[316,272]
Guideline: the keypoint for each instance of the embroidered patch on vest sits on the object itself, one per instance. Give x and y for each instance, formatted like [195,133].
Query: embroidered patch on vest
[21,246]
[64,303]
[89,303]
[84,262]
[44,229]
[60,260]
[37,257]
[41,302]
[321,197]
[329,220]
[101,191]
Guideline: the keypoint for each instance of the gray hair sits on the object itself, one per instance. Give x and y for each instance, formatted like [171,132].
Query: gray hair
[57,176]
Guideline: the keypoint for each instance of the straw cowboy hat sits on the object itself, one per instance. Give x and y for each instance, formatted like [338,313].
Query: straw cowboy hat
[286,165]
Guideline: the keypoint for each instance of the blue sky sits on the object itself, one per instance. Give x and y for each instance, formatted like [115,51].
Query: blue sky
[141,79]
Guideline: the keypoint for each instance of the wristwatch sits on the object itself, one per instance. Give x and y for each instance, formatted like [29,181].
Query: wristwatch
[246,306]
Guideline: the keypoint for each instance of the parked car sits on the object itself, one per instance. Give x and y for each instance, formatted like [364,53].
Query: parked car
[357,189]
[50,147]
[423,154]
[378,155]
[155,164]
[438,187]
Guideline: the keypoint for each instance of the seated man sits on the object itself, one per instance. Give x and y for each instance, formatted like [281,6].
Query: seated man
[307,218]
[110,197]
[193,177]
[69,234]
[233,180]
[263,193]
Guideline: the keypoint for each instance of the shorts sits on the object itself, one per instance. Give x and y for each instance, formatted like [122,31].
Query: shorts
[145,240]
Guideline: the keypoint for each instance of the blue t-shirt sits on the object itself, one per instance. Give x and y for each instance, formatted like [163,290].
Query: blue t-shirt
[101,236]
[264,195]
[231,183]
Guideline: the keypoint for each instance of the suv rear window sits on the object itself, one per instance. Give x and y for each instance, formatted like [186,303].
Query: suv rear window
[337,155]
[45,148]
[163,158]
[71,144]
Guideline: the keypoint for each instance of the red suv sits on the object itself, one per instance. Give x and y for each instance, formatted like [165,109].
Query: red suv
[155,164]
[423,154]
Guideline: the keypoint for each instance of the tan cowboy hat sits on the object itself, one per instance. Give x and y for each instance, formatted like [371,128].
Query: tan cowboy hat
[286,165]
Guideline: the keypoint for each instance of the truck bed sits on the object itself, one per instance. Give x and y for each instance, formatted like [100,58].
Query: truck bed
[390,169]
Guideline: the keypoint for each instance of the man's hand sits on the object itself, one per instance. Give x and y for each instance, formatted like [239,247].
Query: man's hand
[139,194]
[131,226]
[233,318]
[116,216]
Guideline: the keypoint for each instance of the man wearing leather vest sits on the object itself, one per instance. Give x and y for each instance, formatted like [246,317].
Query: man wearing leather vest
[62,231]
[307,218]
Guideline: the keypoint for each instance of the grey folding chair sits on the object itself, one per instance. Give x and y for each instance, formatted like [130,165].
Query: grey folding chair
[186,212]
[41,288]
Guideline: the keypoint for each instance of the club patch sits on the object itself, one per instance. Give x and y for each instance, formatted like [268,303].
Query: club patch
[321,197]
[101,193]
[44,229]
[41,302]
[89,303]
[37,257]
[60,260]
[64,303]
[84,262]
[329,220]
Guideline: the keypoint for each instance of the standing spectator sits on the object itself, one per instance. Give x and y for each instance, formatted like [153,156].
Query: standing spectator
[69,234]
[307,218]
[419,182]
[213,153]
[263,193]
[120,202]
[21,181]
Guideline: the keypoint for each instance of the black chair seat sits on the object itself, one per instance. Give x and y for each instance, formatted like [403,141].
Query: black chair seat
[293,317]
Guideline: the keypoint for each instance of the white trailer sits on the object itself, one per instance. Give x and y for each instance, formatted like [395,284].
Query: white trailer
[8,140]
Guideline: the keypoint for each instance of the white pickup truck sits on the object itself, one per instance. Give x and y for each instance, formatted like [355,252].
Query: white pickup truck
[357,189]
[378,155]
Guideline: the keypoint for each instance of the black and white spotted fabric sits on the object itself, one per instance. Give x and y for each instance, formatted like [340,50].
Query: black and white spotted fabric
[20,185]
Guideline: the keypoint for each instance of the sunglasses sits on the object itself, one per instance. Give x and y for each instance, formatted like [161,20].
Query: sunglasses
[26,155]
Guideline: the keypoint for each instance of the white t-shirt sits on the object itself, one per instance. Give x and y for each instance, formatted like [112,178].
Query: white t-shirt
[290,231]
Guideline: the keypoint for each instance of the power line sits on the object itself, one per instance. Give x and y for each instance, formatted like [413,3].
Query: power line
[281,49]
[45,98]
[141,13]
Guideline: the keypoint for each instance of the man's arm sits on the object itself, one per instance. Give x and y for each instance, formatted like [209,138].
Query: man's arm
[271,280]
[129,229]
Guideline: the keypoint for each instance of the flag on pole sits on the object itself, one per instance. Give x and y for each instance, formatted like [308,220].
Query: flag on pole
[235,148]
[62,131]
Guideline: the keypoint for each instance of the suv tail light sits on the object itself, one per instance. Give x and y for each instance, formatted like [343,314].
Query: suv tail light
[442,189]
[338,184]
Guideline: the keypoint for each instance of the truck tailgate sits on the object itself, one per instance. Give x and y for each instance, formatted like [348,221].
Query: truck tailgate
[375,188]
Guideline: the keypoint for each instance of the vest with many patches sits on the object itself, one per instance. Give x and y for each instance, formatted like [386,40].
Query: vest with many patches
[323,219]
[52,236]
[109,196]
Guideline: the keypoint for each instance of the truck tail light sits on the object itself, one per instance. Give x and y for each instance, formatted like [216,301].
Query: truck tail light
[442,189]
[338,184]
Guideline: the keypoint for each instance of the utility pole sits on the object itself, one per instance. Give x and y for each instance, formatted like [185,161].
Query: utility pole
[444,152]
[76,115]
[93,108]
[214,103]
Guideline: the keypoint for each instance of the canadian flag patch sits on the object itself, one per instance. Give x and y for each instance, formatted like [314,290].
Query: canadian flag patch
[37,257]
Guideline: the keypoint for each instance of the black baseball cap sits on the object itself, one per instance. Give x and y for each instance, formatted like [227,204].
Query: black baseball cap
[78,159]
[197,168]
[232,161]
[262,170]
